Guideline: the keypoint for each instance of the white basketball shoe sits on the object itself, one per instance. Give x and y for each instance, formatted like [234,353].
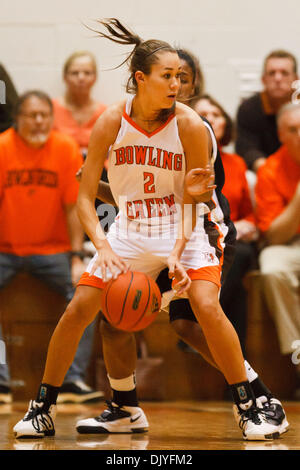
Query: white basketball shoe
[253,422]
[274,413]
[37,422]
[115,419]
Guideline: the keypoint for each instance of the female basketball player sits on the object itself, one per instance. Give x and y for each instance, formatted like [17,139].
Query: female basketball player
[182,317]
[155,150]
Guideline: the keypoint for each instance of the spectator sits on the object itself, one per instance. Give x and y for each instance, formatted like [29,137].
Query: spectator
[76,112]
[256,118]
[40,231]
[8,101]
[233,296]
[278,215]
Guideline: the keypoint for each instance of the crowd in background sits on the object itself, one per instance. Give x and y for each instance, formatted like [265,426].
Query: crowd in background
[44,141]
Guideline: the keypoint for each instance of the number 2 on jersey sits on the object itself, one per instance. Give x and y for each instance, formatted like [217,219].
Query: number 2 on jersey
[149,186]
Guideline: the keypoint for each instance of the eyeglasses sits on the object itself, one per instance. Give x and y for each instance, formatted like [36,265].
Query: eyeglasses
[34,116]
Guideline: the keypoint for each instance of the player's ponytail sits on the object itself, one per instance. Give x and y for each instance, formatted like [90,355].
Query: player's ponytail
[118,33]
[144,54]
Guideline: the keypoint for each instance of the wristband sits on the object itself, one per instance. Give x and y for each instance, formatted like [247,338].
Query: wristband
[80,254]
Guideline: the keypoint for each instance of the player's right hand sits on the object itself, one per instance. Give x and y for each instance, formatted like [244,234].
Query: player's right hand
[178,274]
[108,260]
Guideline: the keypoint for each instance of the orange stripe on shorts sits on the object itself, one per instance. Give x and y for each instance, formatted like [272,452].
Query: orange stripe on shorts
[209,273]
[92,281]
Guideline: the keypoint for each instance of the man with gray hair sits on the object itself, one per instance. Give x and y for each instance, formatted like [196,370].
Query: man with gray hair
[40,231]
[278,213]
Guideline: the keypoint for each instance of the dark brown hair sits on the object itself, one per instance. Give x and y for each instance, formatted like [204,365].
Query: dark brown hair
[142,57]
[229,127]
[198,77]
[281,54]
[144,54]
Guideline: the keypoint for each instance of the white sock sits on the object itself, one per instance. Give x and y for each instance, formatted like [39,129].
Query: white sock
[251,374]
[122,385]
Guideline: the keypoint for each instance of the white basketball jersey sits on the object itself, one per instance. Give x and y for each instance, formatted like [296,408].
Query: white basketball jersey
[146,174]
[146,170]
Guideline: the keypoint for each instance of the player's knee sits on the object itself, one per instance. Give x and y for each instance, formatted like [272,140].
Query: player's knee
[205,305]
[77,314]
[209,312]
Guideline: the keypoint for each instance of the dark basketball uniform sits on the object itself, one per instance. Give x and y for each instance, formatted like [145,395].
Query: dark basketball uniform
[180,308]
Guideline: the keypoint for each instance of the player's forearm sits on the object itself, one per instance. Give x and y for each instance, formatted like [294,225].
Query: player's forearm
[179,247]
[90,222]
[74,228]
[186,224]
[104,193]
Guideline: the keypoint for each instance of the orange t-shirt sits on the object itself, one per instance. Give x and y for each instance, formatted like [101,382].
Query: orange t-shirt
[236,188]
[64,122]
[276,184]
[35,187]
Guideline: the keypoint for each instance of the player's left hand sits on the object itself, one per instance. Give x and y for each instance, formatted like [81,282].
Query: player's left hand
[177,272]
[199,181]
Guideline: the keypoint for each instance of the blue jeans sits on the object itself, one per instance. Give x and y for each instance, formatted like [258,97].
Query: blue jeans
[55,271]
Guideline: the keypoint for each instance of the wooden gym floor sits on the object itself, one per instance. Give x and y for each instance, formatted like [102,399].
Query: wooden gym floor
[187,425]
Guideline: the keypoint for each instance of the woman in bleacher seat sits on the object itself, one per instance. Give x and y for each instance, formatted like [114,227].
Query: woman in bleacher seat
[76,112]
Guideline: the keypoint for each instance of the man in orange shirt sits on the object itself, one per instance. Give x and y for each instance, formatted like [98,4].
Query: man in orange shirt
[278,213]
[40,230]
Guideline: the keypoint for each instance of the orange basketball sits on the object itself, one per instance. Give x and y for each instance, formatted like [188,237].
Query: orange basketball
[132,301]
